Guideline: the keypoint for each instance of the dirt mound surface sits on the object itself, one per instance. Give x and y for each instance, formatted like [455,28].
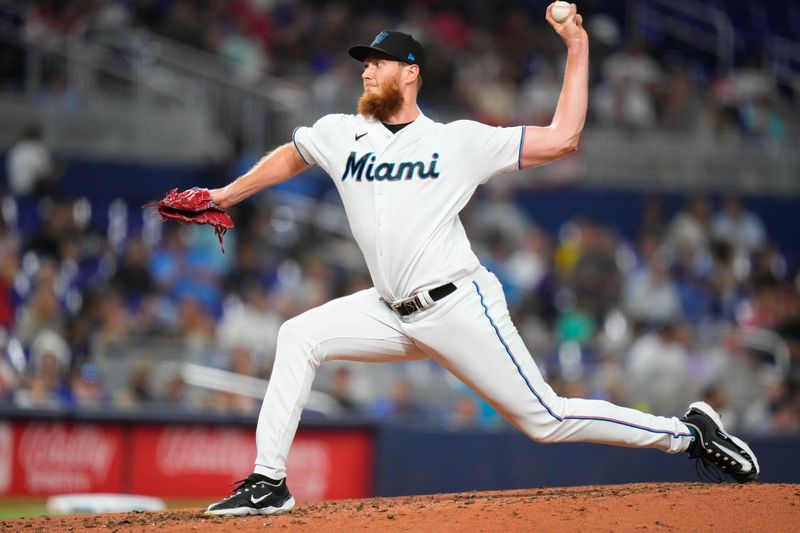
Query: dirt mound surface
[665,506]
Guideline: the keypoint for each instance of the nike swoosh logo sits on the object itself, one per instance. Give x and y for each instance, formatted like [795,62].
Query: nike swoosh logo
[256,500]
[359,136]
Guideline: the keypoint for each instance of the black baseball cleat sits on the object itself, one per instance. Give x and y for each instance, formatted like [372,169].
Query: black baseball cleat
[718,449]
[255,495]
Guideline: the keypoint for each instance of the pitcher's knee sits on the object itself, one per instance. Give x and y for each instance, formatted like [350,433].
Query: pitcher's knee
[291,331]
[545,424]
[295,337]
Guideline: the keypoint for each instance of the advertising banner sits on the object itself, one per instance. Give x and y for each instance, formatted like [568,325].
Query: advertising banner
[40,458]
[181,460]
[203,461]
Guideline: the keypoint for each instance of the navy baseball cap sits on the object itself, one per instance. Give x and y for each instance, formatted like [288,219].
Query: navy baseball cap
[395,44]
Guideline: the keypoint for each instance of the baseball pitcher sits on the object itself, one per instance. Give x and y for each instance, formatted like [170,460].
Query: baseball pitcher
[403,179]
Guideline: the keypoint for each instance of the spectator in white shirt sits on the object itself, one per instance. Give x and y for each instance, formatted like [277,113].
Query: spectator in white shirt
[29,166]
[738,227]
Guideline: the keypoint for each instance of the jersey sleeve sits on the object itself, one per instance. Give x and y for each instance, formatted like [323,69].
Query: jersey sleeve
[311,143]
[490,150]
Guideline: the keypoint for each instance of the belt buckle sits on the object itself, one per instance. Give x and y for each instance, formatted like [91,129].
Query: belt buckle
[410,305]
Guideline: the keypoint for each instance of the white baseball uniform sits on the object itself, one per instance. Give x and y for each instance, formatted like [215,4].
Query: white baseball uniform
[402,193]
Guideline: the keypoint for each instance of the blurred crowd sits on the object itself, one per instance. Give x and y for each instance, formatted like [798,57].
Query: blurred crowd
[100,312]
[101,305]
[499,61]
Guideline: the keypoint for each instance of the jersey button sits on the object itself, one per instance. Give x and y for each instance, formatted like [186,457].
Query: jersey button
[380,191]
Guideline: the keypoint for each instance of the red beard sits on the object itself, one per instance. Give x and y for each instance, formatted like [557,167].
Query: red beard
[381,105]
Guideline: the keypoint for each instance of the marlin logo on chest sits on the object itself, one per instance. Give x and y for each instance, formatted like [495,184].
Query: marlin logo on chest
[364,169]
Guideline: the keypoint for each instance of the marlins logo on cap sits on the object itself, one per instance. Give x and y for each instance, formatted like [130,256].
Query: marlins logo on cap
[395,44]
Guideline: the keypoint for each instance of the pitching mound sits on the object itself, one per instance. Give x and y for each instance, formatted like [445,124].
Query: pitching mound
[668,506]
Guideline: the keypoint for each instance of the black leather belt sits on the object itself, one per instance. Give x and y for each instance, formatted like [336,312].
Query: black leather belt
[415,303]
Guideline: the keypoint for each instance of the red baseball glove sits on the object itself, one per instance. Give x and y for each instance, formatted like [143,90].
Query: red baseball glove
[194,206]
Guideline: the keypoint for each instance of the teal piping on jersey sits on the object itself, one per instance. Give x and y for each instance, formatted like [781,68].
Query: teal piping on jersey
[521,141]
[297,147]
[547,407]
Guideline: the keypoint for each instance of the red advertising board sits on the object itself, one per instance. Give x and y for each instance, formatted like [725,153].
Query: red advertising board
[40,458]
[202,461]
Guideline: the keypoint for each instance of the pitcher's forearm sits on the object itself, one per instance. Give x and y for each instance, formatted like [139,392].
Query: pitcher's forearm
[573,103]
[276,167]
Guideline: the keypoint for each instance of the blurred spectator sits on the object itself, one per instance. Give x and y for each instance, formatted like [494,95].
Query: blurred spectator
[528,264]
[726,282]
[9,265]
[400,405]
[576,325]
[9,383]
[241,363]
[194,325]
[650,295]
[167,264]
[539,95]
[768,261]
[184,24]
[654,217]
[45,385]
[772,304]
[467,410]
[57,91]
[683,109]
[497,215]
[495,258]
[626,96]
[139,391]
[750,81]
[784,412]
[659,371]
[689,230]
[43,309]
[58,228]
[595,278]
[315,285]
[132,277]
[243,52]
[463,413]
[248,270]
[48,18]
[114,323]
[187,264]
[30,167]
[608,380]
[738,227]
[88,391]
[340,387]
[176,395]
[691,270]
[634,64]
[250,323]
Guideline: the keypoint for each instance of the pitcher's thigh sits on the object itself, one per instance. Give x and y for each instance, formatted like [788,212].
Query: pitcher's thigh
[358,327]
[477,342]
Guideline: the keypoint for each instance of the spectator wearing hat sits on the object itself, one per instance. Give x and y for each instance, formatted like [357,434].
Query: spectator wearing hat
[46,387]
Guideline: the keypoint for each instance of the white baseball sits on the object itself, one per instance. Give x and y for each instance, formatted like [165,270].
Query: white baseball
[561,11]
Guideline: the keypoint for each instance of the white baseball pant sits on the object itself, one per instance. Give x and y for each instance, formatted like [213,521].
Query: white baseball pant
[470,333]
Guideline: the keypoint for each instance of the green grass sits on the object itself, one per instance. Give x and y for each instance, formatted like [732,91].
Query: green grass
[22,507]
[18,507]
